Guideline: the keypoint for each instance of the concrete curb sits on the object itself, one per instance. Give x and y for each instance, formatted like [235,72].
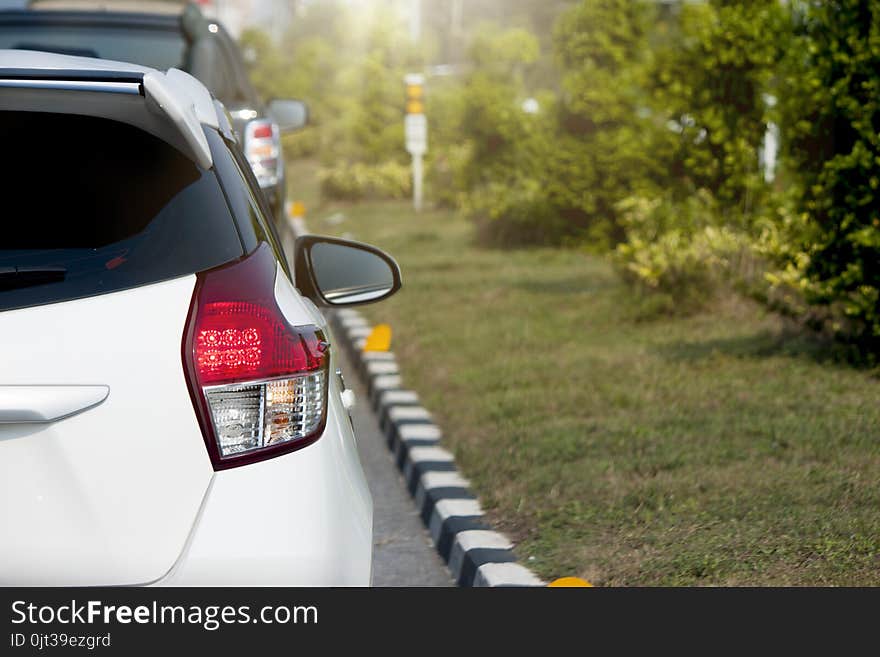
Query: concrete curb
[476,555]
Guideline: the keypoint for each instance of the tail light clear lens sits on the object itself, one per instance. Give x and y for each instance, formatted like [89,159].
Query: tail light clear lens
[252,416]
[262,140]
[258,384]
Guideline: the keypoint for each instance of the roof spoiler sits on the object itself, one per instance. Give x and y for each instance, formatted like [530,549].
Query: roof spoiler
[175,94]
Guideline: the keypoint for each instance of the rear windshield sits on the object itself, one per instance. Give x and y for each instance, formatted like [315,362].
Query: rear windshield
[94,206]
[157,48]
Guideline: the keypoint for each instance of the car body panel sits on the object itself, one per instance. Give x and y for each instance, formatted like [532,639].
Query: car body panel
[306,521]
[107,496]
[313,524]
[307,517]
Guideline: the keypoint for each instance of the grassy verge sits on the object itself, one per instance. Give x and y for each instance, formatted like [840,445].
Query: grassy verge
[714,449]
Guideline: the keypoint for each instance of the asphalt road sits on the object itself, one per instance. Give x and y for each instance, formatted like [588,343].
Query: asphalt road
[403,554]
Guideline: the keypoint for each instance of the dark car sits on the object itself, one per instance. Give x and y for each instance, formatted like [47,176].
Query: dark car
[164,35]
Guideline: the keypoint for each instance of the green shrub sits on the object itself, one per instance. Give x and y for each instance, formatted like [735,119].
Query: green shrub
[831,133]
[788,244]
[556,177]
[445,173]
[359,181]
[516,214]
[713,66]
[374,126]
[679,253]
[448,153]
[506,148]
[348,64]
[302,143]
[491,117]
[607,143]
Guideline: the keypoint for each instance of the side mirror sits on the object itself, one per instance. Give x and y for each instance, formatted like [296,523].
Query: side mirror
[288,114]
[335,272]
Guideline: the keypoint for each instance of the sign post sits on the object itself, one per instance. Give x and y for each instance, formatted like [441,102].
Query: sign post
[416,131]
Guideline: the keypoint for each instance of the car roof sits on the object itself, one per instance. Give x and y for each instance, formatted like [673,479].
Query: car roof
[167,7]
[123,19]
[183,100]
[188,19]
[153,14]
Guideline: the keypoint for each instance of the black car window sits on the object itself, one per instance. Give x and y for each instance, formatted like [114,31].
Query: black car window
[247,204]
[235,94]
[157,48]
[94,206]
[206,62]
[245,91]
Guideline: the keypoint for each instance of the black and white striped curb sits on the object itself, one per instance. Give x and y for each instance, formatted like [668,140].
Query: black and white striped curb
[476,555]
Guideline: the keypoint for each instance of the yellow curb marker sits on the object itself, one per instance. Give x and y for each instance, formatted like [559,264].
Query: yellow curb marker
[297,209]
[570,582]
[379,339]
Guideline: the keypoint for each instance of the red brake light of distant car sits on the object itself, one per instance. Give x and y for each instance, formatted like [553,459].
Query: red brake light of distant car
[262,130]
[258,384]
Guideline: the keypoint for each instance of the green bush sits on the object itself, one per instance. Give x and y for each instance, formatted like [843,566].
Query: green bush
[448,153]
[505,148]
[818,233]
[831,133]
[349,65]
[607,142]
[650,104]
[647,102]
[564,169]
[714,65]
[374,126]
[515,215]
[491,117]
[302,143]
[679,253]
[359,181]
[445,174]
[712,68]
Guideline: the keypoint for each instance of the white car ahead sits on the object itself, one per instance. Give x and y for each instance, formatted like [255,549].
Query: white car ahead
[170,409]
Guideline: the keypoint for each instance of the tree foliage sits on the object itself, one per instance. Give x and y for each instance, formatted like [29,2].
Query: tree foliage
[631,127]
[832,136]
[556,176]
[714,69]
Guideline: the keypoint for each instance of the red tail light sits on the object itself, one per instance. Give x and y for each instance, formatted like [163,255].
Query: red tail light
[261,130]
[258,384]
[262,141]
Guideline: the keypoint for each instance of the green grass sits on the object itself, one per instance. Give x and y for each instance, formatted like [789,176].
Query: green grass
[720,448]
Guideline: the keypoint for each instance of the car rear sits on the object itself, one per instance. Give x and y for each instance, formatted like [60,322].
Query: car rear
[168,412]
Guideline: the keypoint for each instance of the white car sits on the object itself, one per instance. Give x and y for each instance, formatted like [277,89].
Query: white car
[170,409]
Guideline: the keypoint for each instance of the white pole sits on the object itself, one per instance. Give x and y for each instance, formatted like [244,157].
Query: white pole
[455,22]
[417,182]
[415,20]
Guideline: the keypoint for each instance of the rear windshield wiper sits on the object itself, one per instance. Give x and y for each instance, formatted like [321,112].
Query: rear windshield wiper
[12,278]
